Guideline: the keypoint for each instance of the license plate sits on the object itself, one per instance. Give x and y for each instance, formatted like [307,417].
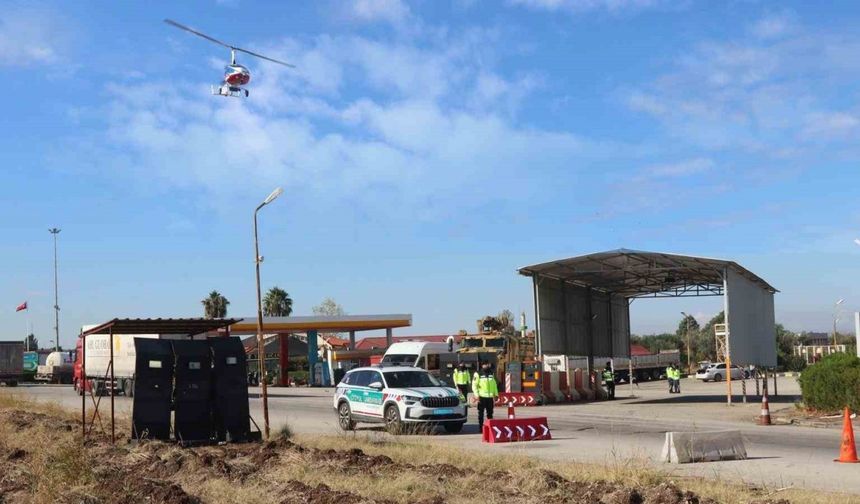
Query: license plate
[443,411]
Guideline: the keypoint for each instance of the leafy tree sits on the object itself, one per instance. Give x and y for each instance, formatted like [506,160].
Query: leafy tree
[785,343]
[31,342]
[215,305]
[328,307]
[687,323]
[277,303]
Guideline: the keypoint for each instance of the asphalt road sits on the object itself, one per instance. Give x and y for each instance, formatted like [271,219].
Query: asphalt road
[604,432]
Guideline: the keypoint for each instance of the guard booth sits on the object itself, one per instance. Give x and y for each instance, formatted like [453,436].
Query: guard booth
[153,389]
[230,413]
[192,389]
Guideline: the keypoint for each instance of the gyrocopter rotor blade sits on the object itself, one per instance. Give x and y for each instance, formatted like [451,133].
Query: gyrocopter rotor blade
[263,57]
[207,37]
[231,47]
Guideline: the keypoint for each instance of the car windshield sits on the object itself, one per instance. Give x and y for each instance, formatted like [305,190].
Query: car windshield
[399,360]
[410,379]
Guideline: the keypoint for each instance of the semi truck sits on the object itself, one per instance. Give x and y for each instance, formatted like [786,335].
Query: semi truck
[58,368]
[97,355]
[11,362]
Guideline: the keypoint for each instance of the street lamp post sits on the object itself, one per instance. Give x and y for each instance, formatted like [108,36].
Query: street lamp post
[55,232]
[836,312]
[687,322]
[261,350]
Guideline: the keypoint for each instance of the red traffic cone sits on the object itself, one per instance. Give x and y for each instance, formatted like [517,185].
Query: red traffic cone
[511,414]
[764,418]
[848,450]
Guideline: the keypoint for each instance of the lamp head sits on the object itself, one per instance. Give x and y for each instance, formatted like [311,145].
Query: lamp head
[271,197]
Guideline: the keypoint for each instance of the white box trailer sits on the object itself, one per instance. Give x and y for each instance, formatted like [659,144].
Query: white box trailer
[645,367]
[97,359]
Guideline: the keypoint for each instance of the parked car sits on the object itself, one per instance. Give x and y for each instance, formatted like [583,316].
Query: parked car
[717,372]
[395,396]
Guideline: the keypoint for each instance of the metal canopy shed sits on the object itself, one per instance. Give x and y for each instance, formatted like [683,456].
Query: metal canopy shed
[582,304]
[176,328]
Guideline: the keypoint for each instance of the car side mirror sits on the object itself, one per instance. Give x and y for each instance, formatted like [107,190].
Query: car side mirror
[376,385]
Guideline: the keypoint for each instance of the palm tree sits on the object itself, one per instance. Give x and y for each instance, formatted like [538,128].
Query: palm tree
[277,303]
[215,306]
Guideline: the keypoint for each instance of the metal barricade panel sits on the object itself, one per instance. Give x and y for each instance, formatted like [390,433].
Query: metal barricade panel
[193,388]
[153,389]
[230,390]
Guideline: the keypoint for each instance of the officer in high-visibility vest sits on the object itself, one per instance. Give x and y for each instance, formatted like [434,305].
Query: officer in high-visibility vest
[609,380]
[461,380]
[670,377]
[678,380]
[486,390]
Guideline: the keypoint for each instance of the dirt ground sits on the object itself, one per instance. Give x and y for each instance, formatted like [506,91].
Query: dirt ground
[42,460]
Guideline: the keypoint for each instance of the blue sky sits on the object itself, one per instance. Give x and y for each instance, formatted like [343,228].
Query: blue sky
[426,149]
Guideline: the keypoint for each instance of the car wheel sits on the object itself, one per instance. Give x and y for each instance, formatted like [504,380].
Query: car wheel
[718,377]
[453,428]
[344,417]
[392,420]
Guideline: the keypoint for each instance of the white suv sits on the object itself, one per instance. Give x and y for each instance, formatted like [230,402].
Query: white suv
[717,372]
[396,396]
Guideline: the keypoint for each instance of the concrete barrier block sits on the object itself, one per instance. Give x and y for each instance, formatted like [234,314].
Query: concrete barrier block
[709,446]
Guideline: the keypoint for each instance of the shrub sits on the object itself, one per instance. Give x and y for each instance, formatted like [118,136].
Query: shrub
[832,384]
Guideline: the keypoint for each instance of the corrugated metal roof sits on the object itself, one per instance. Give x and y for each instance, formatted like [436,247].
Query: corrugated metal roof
[635,273]
[189,326]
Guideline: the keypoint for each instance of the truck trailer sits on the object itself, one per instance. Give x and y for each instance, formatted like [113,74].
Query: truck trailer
[58,368]
[97,360]
[11,362]
[645,367]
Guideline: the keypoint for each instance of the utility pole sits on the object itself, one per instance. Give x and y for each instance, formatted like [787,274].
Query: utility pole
[55,232]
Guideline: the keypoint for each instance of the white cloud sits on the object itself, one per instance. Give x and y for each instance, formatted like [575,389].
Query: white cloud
[30,37]
[615,6]
[390,11]
[774,25]
[766,96]
[414,144]
[680,169]
[831,126]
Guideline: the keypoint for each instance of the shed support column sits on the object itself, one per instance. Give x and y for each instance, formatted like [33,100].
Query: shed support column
[388,337]
[629,353]
[589,328]
[113,389]
[283,359]
[313,356]
[83,385]
[728,338]
[352,340]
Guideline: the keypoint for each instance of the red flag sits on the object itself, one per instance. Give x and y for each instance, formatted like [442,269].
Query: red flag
[22,306]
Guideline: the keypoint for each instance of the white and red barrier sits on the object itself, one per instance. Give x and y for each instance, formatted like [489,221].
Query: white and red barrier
[513,430]
[518,399]
[580,386]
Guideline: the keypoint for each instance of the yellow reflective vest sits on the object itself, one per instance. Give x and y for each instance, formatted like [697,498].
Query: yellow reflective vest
[485,386]
[461,377]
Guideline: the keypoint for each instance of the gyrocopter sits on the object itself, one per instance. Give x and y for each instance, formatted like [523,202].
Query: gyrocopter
[236,76]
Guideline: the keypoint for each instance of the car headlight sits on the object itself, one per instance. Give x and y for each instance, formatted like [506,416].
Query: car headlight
[411,399]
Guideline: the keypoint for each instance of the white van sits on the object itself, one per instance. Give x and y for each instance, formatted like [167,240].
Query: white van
[416,354]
